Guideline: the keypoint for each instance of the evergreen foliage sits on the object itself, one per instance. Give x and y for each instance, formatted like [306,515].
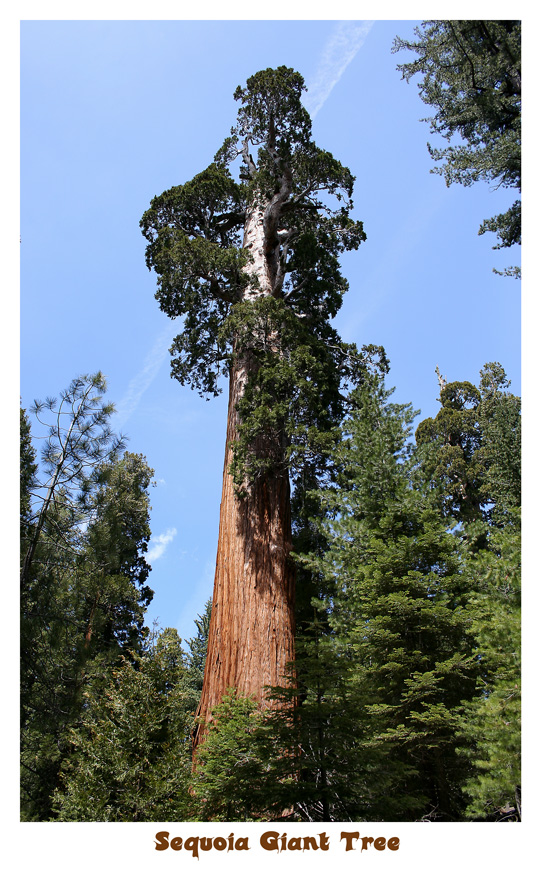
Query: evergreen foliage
[79,440]
[301,196]
[83,594]
[28,470]
[471,75]
[197,647]
[129,759]
[404,696]
[403,702]
[315,765]
[492,718]
[474,451]
[229,782]
[471,448]
[397,604]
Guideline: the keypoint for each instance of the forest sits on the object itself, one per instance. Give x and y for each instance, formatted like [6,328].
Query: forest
[359,659]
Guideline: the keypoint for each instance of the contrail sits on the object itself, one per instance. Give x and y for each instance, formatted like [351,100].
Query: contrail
[342,46]
[145,377]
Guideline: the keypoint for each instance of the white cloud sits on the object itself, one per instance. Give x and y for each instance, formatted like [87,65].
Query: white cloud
[341,47]
[145,377]
[160,543]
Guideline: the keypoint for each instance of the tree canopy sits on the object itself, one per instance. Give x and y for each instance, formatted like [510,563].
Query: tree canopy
[288,205]
[85,529]
[471,75]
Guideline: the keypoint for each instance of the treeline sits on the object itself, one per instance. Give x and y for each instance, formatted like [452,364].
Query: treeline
[403,701]
[84,534]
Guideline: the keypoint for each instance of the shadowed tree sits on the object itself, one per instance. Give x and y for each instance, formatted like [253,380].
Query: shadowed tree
[251,264]
[84,533]
[128,757]
[397,605]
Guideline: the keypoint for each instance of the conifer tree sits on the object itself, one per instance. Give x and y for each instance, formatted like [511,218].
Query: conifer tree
[471,450]
[251,265]
[79,440]
[129,758]
[231,781]
[450,447]
[28,470]
[500,423]
[197,649]
[83,591]
[471,76]
[492,719]
[398,612]
[471,455]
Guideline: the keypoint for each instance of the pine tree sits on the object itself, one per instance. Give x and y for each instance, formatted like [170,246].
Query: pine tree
[79,440]
[83,591]
[492,720]
[112,562]
[230,783]
[398,611]
[251,264]
[28,470]
[450,447]
[197,649]
[471,449]
[500,423]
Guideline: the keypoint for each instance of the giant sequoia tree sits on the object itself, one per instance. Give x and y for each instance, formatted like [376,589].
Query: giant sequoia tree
[247,252]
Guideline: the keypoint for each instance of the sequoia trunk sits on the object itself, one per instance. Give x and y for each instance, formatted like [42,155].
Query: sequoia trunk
[251,632]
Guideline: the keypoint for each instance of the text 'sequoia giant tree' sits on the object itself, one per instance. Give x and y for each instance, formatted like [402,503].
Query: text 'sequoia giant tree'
[252,266]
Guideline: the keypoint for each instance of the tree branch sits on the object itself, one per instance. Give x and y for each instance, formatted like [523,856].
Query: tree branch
[248,160]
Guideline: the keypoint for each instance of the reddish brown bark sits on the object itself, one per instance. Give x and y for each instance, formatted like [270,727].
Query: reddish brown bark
[89,627]
[251,633]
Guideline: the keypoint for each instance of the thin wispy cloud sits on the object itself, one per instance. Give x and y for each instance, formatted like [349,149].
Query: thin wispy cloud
[343,44]
[141,382]
[159,545]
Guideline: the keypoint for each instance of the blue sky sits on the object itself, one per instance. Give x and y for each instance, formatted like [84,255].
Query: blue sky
[114,112]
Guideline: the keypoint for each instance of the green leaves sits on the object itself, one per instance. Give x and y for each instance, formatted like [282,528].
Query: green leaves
[83,592]
[471,449]
[492,719]
[128,759]
[472,77]
[197,209]
[271,113]
[229,780]
[208,275]
[396,606]
[292,400]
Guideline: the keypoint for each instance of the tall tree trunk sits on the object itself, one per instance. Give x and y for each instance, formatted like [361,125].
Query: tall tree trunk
[251,632]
